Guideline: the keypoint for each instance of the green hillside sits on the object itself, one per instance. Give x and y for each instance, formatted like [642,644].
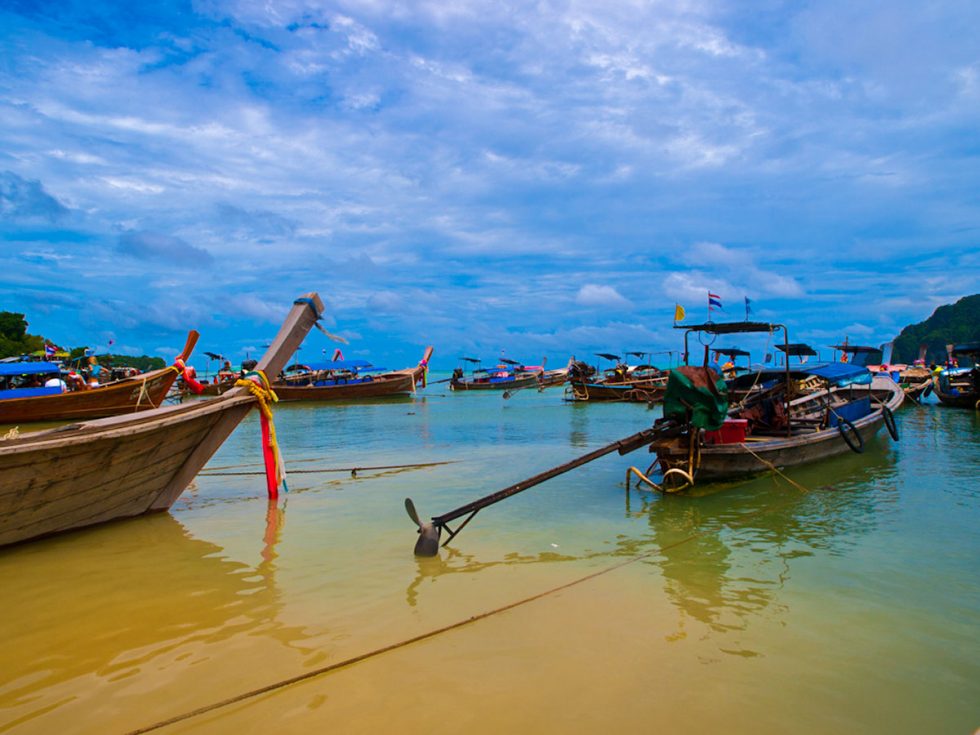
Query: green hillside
[953,323]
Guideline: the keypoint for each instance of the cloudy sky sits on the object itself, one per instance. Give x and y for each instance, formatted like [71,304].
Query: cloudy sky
[542,178]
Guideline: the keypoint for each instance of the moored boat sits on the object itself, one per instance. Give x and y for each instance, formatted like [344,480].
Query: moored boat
[123,466]
[56,402]
[348,380]
[643,383]
[960,386]
[780,417]
[507,375]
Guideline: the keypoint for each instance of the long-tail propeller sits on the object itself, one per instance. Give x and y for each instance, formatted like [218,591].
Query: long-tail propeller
[428,541]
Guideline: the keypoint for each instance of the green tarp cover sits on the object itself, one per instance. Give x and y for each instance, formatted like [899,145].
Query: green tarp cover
[688,390]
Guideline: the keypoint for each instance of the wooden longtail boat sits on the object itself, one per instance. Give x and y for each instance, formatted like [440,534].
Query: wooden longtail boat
[629,383]
[335,385]
[783,418]
[960,387]
[509,375]
[128,395]
[123,466]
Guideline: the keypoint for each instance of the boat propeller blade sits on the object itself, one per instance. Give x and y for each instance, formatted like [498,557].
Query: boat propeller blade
[410,509]
[429,533]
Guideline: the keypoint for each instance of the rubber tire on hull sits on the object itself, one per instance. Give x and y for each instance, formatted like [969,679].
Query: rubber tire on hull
[856,448]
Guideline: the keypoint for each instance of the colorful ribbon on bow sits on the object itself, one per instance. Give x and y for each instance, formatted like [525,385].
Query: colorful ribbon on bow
[275,469]
[186,372]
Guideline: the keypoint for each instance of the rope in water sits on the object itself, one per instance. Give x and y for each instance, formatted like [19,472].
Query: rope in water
[320,671]
[221,473]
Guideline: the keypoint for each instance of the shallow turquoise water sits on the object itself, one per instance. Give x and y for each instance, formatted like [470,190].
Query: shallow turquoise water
[854,607]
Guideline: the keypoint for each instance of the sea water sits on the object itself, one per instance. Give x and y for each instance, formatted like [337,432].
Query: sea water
[852,606]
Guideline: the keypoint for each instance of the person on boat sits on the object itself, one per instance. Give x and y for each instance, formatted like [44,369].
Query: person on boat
[225,373]
[95,371]
[56,382]
[729,369]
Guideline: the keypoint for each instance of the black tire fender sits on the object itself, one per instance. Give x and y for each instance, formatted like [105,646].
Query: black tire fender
[889,417]
[842,426]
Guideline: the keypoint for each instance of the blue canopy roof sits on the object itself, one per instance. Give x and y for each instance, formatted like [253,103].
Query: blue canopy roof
[340,365]
[28,368]
[837,371]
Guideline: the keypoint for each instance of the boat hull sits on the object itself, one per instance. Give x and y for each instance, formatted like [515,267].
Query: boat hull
[82,476]
[389,384]
[122,396]
[635,392]
[522,382]
[725,461]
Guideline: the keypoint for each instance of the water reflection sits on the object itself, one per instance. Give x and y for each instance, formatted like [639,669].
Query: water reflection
[726,556]
[132,599]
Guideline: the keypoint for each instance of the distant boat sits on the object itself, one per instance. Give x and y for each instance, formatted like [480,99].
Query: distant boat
[507,375]
[915,380]
[84,474]
[629,383]
[960,387]
[53,402]
[777,418]
[348,379]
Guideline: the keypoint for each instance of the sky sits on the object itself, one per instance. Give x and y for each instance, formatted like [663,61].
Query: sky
[529,179]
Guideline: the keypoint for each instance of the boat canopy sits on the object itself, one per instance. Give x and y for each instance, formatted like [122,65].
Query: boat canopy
[967,348]
[510,362]
[353,365]
[857,349]
[730,351]
[730,327]
[470,359]
[838,372]
[28,368]
[607,356]
[797,350]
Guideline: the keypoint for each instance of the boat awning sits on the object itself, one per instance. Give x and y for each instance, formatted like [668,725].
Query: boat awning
[857,349]
[967,348]
[730,327]
[730,352]
[797,350]
[341,365]
[837,372]
[607,356]
[28,368]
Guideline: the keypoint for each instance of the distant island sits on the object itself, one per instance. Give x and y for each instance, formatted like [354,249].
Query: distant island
[949,324]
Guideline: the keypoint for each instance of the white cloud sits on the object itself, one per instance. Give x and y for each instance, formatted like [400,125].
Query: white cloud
[601,296]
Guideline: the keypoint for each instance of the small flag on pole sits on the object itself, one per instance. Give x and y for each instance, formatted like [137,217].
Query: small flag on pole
[679,313]
[714,302]
[748,307]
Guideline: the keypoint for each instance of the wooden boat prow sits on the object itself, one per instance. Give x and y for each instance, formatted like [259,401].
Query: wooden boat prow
[88,473]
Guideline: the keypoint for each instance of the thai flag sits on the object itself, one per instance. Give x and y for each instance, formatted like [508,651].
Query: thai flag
[714,300]
[49,350]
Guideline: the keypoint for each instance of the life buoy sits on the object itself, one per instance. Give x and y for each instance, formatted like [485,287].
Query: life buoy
[842,427]
[890,422]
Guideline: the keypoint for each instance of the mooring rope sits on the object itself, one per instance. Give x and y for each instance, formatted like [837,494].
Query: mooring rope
[320,671]
[222,473]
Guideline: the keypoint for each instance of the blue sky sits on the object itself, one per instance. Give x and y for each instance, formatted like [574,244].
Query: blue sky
[539,178]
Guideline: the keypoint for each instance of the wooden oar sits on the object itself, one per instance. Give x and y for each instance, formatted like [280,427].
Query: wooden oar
[429,533]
